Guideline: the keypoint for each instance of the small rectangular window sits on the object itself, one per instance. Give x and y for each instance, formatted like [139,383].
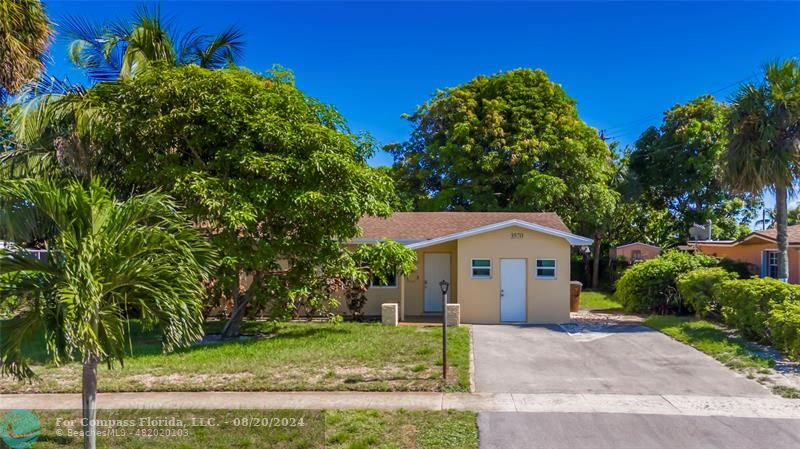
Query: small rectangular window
[391,282]
[481,268]
[772,264]
[545,268]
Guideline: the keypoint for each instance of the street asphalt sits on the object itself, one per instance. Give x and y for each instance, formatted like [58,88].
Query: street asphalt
[627,431]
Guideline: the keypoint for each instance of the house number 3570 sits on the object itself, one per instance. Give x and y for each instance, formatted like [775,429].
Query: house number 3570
[516,235]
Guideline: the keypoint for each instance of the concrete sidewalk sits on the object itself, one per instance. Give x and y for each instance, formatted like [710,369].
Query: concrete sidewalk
[742,407]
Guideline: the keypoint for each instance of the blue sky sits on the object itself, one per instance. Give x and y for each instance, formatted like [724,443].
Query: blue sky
[625,63]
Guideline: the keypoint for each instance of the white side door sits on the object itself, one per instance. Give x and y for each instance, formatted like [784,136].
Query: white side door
[512,290]
[437,269]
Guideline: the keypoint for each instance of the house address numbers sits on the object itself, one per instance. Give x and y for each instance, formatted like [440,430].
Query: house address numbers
[517,235]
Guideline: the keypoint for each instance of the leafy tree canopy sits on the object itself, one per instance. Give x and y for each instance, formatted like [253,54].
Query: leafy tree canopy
[275,177]
[676,168]
[511,141]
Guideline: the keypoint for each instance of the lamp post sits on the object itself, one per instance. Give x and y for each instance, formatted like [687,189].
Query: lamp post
[444,285]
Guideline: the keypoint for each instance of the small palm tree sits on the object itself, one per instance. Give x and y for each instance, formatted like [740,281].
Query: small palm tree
[764,147]
[25,33]
[120,50]
[105,259]
[767,219]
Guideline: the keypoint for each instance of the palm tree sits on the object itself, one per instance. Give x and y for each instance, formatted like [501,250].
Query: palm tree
[25,33]
[105,259]
[767,219]
[53,122]
[764,148]
[120,50]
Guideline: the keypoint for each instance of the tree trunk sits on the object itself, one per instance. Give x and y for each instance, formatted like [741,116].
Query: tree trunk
[596,262]
[234,325]
[781,207]
[89,398]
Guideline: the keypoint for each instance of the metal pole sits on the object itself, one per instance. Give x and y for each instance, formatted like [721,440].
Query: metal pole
[444,336]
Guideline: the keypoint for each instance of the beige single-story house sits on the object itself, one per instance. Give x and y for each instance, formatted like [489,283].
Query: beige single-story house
[501,266]
[635,252]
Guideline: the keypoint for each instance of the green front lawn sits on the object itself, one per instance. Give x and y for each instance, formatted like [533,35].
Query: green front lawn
[285,357]
[708,337]
[597,300]
[335,429]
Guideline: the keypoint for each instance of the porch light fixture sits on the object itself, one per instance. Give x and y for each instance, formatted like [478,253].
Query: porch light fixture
[444,285]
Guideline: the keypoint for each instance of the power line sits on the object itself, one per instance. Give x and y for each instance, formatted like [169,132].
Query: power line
[639,121]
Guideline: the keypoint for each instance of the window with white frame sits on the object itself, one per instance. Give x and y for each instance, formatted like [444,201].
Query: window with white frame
[390,282]
[481,268]
[545,268]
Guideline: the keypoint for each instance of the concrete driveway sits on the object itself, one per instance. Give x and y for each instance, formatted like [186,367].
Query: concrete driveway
[618,359]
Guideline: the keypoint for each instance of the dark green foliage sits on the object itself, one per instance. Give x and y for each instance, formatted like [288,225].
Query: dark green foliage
[650,286]
[697,289]
[746,304]
[675,168]
[743,269]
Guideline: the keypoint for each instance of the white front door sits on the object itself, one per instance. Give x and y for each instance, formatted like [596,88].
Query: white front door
[512,290]
[437,269]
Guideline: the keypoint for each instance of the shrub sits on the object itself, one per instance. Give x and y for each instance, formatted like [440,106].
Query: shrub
[650,286]
[746,304]
[696,287]
[784,323]
[745,270]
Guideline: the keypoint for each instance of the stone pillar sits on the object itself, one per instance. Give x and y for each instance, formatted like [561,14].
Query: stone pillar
[389,314]
[454,314]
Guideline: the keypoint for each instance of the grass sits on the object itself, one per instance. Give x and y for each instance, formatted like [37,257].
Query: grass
[336,429]
[733,352]
[597,300]
[288,357]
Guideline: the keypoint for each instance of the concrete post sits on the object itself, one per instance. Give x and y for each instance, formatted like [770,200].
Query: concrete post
[454,314]
[389,314]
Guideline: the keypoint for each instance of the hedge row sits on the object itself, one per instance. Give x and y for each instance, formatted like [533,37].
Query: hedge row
[651,286]
[761,309]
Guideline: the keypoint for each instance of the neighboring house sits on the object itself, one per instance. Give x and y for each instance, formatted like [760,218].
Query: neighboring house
[758,248]
[501,266]
[635,252]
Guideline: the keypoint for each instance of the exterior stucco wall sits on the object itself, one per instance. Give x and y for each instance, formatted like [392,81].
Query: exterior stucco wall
[414,285]
[751,253]
[647,252]
[547,300]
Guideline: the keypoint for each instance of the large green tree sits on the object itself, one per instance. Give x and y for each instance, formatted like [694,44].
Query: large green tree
[511,141]
[764,148]
[274,177]
[25,34]
[676,167]
[106,257]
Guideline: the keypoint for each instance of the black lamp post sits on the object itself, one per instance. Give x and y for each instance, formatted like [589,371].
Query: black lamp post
[444,285]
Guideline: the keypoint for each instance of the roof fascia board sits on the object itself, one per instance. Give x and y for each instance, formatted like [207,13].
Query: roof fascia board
[573,239]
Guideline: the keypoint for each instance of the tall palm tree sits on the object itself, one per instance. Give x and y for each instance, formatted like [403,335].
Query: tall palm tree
[120,50]
[764,148]
[105,259]
[25,33]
